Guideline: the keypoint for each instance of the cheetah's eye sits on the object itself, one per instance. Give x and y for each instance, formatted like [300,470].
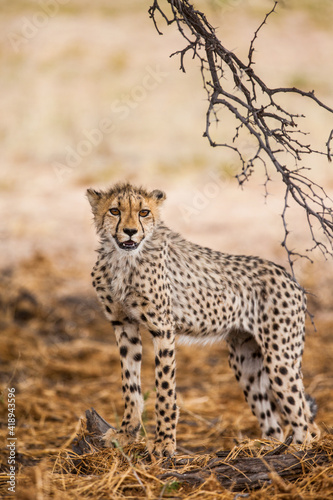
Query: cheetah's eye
[144,213]
[114,211]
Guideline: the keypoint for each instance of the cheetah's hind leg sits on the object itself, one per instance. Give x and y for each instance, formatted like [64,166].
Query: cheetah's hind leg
[246,360]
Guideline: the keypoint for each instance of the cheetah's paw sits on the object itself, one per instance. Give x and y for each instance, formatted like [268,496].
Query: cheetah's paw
[115,439]
[164,449]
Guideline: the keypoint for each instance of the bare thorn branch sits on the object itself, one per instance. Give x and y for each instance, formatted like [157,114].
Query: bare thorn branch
[328,145]
[260,115]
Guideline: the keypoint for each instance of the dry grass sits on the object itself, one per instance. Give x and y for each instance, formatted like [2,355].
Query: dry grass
[59,354]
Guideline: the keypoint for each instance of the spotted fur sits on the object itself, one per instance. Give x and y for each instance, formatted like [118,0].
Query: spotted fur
[147,275]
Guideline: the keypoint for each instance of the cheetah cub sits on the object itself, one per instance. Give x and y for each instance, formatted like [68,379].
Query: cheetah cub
[147,275]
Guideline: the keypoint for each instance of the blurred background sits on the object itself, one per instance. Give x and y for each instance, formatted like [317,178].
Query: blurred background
[90,96]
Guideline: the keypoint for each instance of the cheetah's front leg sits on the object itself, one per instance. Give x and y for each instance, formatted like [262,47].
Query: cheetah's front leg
[130,349]
[165,381]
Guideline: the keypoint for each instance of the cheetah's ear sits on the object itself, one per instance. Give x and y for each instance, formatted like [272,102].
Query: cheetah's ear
[94,198]
[158,195]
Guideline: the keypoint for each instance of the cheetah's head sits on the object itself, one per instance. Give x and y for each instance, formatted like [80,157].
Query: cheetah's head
[125,215]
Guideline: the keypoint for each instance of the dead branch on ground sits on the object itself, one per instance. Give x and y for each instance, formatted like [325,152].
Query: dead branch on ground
[233,470]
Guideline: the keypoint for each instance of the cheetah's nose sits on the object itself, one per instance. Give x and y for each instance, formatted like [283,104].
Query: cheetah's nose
[130,232]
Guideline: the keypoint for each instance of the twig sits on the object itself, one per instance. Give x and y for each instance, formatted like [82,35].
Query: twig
[328,145]
[258,111]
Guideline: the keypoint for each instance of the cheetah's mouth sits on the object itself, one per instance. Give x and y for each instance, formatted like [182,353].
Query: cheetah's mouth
[128,245]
